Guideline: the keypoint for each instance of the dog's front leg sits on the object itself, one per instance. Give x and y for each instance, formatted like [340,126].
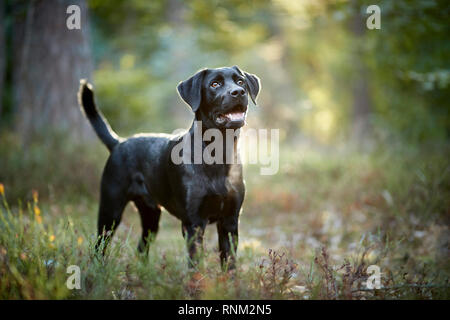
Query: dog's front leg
[193,233]
[227,228]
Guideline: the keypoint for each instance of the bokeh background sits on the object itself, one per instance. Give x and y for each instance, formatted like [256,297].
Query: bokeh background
[364,133]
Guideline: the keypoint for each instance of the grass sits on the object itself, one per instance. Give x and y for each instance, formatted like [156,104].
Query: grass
[309,232]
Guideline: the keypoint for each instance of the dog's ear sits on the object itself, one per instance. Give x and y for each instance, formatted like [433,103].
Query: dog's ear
[190,90]
[253,83]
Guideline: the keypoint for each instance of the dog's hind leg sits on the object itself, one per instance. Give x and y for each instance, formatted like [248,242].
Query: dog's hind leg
[150,214]
[112,204]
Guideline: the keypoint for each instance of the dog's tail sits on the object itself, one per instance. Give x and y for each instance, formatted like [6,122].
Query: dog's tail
[98,122]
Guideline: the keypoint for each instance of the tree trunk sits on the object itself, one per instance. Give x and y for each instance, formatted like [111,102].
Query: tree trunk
[48,62]
[2,54]
[362,105]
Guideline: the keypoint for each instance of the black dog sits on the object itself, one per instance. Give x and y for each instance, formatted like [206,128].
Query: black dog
[140,168]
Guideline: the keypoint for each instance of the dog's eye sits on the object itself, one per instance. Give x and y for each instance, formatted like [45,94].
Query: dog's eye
[215,84]
[240,82]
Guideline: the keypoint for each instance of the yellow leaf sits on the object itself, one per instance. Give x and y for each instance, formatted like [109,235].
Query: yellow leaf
[2,189]
[37,211]
[80,240]
[51,238]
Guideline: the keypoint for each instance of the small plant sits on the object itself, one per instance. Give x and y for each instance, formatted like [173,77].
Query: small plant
[275,274]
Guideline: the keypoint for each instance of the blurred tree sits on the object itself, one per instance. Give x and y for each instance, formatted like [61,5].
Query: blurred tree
[48,62]
[2,54]
[410,69]
[361,104]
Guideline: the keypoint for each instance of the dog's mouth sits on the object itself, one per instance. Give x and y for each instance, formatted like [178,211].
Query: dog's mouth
[232,118]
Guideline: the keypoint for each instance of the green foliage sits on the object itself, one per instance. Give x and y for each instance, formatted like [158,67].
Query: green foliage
[411,74]
[306,54]
[50,165]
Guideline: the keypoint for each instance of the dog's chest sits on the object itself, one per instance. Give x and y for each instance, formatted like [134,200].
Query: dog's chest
[220,181]
[216,186]
[213,207]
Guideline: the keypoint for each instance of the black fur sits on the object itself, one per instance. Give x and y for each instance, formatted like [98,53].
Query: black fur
[98,122]
[140,168]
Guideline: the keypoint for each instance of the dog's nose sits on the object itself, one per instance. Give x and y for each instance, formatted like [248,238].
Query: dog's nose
[237,92]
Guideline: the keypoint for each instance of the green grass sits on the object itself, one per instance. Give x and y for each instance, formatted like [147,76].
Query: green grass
[309,232]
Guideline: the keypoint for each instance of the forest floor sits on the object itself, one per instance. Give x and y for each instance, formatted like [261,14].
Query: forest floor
[309,232]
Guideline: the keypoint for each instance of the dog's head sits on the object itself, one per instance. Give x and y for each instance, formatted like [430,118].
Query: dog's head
[219,97]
